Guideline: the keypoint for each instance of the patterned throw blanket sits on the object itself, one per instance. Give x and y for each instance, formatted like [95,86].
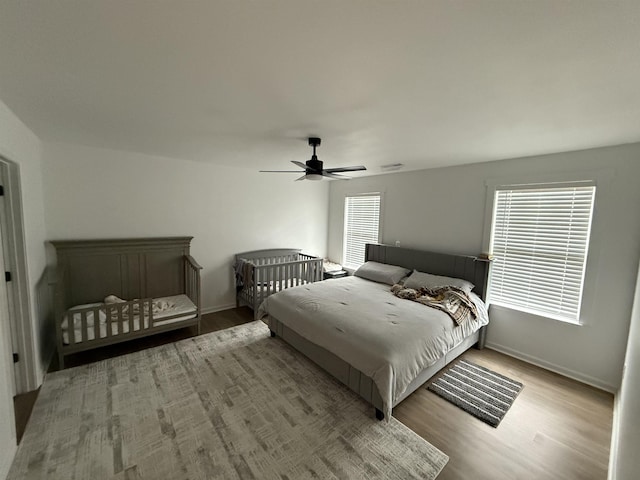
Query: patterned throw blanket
[244,274]
[451,300]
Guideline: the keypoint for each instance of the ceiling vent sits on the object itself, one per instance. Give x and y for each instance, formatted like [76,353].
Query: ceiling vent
[392,167]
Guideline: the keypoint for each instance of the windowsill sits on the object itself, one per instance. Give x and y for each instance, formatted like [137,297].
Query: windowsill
[535,314]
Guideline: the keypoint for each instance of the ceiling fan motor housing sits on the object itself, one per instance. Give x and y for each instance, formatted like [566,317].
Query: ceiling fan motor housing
[314,165]
[313,168]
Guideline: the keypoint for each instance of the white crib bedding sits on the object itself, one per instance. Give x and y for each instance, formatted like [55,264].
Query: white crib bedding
[178,308]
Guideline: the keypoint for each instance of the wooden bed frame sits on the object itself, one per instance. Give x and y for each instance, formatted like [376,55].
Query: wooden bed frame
[468,268]
[273,270]
[136,268]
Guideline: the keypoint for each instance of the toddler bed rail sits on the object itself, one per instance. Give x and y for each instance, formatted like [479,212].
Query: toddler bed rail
[261,273]
[110,291]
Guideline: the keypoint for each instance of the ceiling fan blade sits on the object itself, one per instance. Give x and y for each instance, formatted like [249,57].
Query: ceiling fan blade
[279,171]
[301,178]
[345,169]
[300,164]
[333,175]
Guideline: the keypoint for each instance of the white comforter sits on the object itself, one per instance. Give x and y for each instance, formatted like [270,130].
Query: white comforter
[387,338]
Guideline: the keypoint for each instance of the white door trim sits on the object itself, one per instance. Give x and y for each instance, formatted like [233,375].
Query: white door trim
[20,319]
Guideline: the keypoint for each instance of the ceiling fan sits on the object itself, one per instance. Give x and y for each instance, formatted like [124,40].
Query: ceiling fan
[313,168]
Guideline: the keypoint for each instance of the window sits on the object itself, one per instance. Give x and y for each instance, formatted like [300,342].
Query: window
[540,239]
[361,226]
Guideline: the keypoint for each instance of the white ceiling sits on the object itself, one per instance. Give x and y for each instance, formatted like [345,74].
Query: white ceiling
[243,83]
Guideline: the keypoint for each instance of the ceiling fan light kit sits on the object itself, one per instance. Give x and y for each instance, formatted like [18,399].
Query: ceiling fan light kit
[313,168]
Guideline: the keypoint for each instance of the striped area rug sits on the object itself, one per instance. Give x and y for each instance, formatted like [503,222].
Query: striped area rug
[479,391]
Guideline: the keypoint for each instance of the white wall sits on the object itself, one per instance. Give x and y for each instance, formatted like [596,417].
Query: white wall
[443,210]
[96,193]
[624,462]
[20,146]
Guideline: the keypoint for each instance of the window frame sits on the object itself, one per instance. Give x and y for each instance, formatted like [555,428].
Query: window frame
[601,178]
[524,273]
[380,195]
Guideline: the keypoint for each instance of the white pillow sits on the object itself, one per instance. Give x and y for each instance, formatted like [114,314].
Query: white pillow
[420,279]
[382,272]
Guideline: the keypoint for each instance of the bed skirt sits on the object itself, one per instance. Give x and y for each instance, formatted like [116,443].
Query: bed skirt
[354,378]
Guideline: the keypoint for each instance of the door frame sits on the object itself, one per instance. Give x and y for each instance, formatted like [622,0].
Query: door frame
[15,260]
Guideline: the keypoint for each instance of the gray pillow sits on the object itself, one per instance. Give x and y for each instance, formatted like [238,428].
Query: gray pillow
[382,272]
[419,279]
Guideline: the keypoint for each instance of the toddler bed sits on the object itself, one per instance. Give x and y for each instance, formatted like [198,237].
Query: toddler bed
[111,291]
[260,273]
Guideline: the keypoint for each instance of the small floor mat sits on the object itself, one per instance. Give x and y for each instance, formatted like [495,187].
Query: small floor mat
[477,390]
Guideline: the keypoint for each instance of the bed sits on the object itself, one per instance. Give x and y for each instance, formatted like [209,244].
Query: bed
[261,273]
[115,290]
[388,350]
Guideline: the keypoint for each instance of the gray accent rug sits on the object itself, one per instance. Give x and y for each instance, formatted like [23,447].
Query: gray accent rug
[477,390]
[233,404]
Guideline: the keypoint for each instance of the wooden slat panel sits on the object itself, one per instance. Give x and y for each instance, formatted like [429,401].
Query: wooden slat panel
[131,311]
[85,328]
[109,325]
[89,270]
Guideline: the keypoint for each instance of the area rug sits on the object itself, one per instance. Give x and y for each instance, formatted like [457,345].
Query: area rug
[477,390]
[233,404]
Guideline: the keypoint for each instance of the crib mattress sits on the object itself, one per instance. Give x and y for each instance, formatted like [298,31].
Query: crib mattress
[181,309]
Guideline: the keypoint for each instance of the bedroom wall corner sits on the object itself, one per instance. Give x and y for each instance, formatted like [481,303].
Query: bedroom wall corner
[19,145]
[625,439]
[412,214]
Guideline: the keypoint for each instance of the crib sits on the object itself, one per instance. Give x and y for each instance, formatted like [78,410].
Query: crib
[114,290]
[261,273]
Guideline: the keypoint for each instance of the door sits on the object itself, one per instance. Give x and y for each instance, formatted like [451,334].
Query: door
[6,295]
[7,384]
[16,291]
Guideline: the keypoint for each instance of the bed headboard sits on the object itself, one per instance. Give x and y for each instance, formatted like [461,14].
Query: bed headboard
[88,270]
[469,268]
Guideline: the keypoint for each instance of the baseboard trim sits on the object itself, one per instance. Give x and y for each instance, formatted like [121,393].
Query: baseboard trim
[218,308]
[594,382]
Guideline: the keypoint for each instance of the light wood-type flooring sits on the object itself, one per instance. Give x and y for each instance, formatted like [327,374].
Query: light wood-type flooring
[557,428]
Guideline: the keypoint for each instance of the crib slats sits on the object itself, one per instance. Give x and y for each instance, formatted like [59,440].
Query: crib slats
[120,318]
[109,331]
[145,318]
[274,271]
[71,324]
[131,312]
[83,320]
[269,281]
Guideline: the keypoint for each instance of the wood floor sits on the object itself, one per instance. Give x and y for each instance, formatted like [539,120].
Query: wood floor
[557,428]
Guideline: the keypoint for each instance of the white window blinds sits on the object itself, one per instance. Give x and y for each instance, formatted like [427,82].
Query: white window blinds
[540,238]
[361,226]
